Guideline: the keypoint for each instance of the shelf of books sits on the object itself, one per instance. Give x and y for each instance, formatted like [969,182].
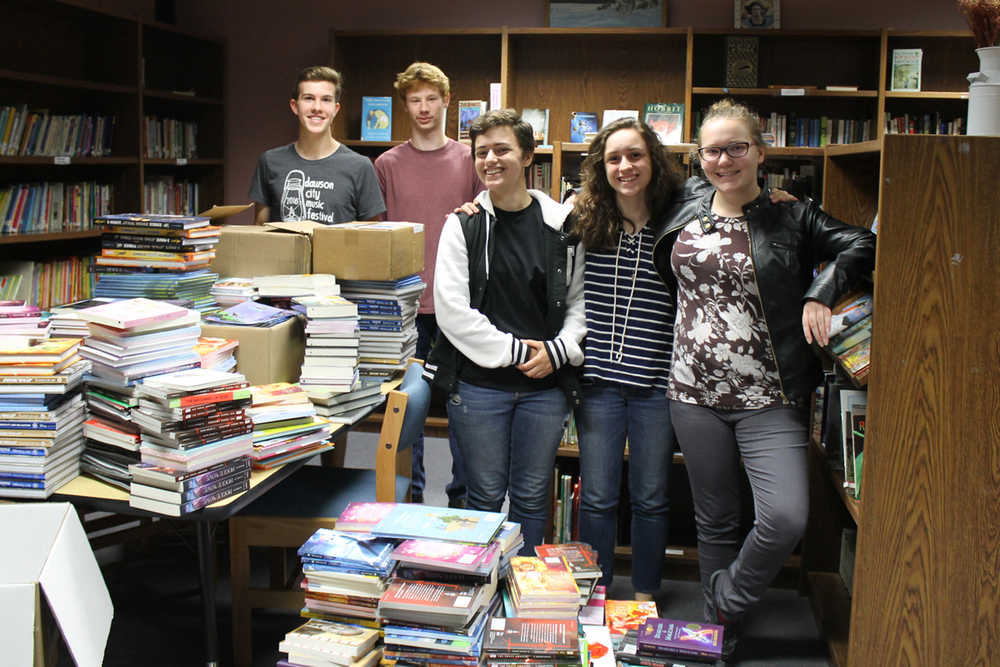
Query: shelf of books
[928,428]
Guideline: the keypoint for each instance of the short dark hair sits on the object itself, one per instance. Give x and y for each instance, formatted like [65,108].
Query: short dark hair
[320,73]
[523,132]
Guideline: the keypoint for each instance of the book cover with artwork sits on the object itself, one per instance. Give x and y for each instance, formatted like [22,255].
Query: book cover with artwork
[360,517]
[350,549]
[674,638]
[906,66]
[376,119]
[520,636]
[538,119]
[440,523]
[536,580]
[435,553]
[599,646]
[341,639]
[582,126]
[468,111]
[579,556]
[625,615]
[667,120]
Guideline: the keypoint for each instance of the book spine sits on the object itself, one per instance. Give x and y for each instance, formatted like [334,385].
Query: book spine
[21,484]
[204,501]
[214,397]
[28,425]
[23,451]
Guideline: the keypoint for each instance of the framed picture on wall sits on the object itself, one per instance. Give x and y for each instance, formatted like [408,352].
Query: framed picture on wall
[756,13]
[607,13]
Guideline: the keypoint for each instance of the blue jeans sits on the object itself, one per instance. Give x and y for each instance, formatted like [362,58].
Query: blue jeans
[427,331]
[508,441]
[608,414]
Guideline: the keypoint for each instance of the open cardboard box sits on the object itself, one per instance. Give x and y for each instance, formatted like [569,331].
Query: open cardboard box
[265,354]
[274,248]
[48,553]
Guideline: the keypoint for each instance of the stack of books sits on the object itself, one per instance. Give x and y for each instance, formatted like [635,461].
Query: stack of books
[190,421]
[64,321]
[41,415]
[527,641]
[581,559]
[231,291]
[178,242]
[347,407]
[285,425]
[541,589]
[138,338]
[330,365]
[20,319]
[321,643]
[175,488]
[217,353]
[157,256]
[387,312]
[344,575]
[112,438]
[444,591]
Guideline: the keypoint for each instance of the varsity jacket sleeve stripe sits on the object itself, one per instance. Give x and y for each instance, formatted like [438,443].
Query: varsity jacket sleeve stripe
[469,330]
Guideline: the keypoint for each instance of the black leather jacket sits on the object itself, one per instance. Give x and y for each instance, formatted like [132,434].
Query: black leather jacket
[786,242]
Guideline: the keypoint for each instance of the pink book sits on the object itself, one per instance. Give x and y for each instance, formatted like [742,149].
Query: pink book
[437,554]
[132,313]
[360,517]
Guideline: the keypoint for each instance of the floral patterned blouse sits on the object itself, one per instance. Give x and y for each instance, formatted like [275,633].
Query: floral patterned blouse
[722,349]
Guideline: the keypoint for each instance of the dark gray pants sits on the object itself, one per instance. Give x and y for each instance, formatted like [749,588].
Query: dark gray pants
[772,442]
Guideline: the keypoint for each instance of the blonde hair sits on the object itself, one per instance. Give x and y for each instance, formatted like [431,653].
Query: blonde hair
[419,73]
[730,110]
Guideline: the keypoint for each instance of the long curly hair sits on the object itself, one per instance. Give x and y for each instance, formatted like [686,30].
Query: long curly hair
[598,219]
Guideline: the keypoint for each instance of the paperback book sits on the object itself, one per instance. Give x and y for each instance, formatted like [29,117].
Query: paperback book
[683,639]
[376,118]
[439,523]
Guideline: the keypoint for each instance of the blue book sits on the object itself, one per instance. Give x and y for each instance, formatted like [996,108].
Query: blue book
[376,119]
[440,523]
[343,548]
[583,126]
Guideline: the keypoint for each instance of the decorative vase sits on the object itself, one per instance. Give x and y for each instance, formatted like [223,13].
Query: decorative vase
[984,94]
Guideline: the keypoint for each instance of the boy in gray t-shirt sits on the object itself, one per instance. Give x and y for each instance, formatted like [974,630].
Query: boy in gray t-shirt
[316,177]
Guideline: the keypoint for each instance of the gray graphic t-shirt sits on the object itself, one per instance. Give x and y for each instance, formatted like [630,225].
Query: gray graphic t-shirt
[338,188]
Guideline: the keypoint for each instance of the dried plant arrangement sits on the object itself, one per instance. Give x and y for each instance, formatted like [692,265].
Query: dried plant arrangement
[983,17]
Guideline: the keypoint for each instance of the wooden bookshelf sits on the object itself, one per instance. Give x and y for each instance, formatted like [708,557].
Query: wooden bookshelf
[926,559]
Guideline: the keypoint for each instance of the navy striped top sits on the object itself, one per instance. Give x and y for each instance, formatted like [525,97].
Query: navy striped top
[636,351]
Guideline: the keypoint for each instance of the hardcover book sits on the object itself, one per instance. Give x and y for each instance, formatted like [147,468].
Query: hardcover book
[468,111]
[439,523]
[582,126]
[667,120]
[670,637]
[741,62]
[376,118]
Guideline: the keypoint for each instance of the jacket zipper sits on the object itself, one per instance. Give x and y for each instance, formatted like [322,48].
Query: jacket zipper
[760,295]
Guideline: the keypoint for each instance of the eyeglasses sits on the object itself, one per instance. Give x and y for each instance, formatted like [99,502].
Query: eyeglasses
[733,150]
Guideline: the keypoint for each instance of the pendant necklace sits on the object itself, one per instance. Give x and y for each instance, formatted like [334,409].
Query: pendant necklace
[616,355]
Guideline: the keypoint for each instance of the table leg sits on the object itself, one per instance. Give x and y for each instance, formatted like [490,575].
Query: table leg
[206,572]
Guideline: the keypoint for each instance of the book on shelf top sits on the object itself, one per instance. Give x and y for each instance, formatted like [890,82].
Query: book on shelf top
[611,115]
[667,120]
[468,111]
[376,118]
[583,126]
[539,121]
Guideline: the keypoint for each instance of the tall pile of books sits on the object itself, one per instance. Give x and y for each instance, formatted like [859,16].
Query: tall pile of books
[112,438]
[41,414]
[528,641]
[320,643]
[437,606]
[64,321]
[387,312]
[190,421]
[138,338]
[285,425]
[157,256]
[344,575]
[330,365]
[540,588]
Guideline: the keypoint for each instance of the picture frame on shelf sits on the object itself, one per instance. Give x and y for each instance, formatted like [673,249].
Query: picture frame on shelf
[607,13]
[757,14]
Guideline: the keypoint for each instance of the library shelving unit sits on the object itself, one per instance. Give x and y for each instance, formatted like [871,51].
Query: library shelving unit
[65,59]
[568,69]
[925,574]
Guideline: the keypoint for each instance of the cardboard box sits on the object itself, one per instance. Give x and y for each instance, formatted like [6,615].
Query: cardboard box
[265,354]
[369,250]
[276,248]
[48,552]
